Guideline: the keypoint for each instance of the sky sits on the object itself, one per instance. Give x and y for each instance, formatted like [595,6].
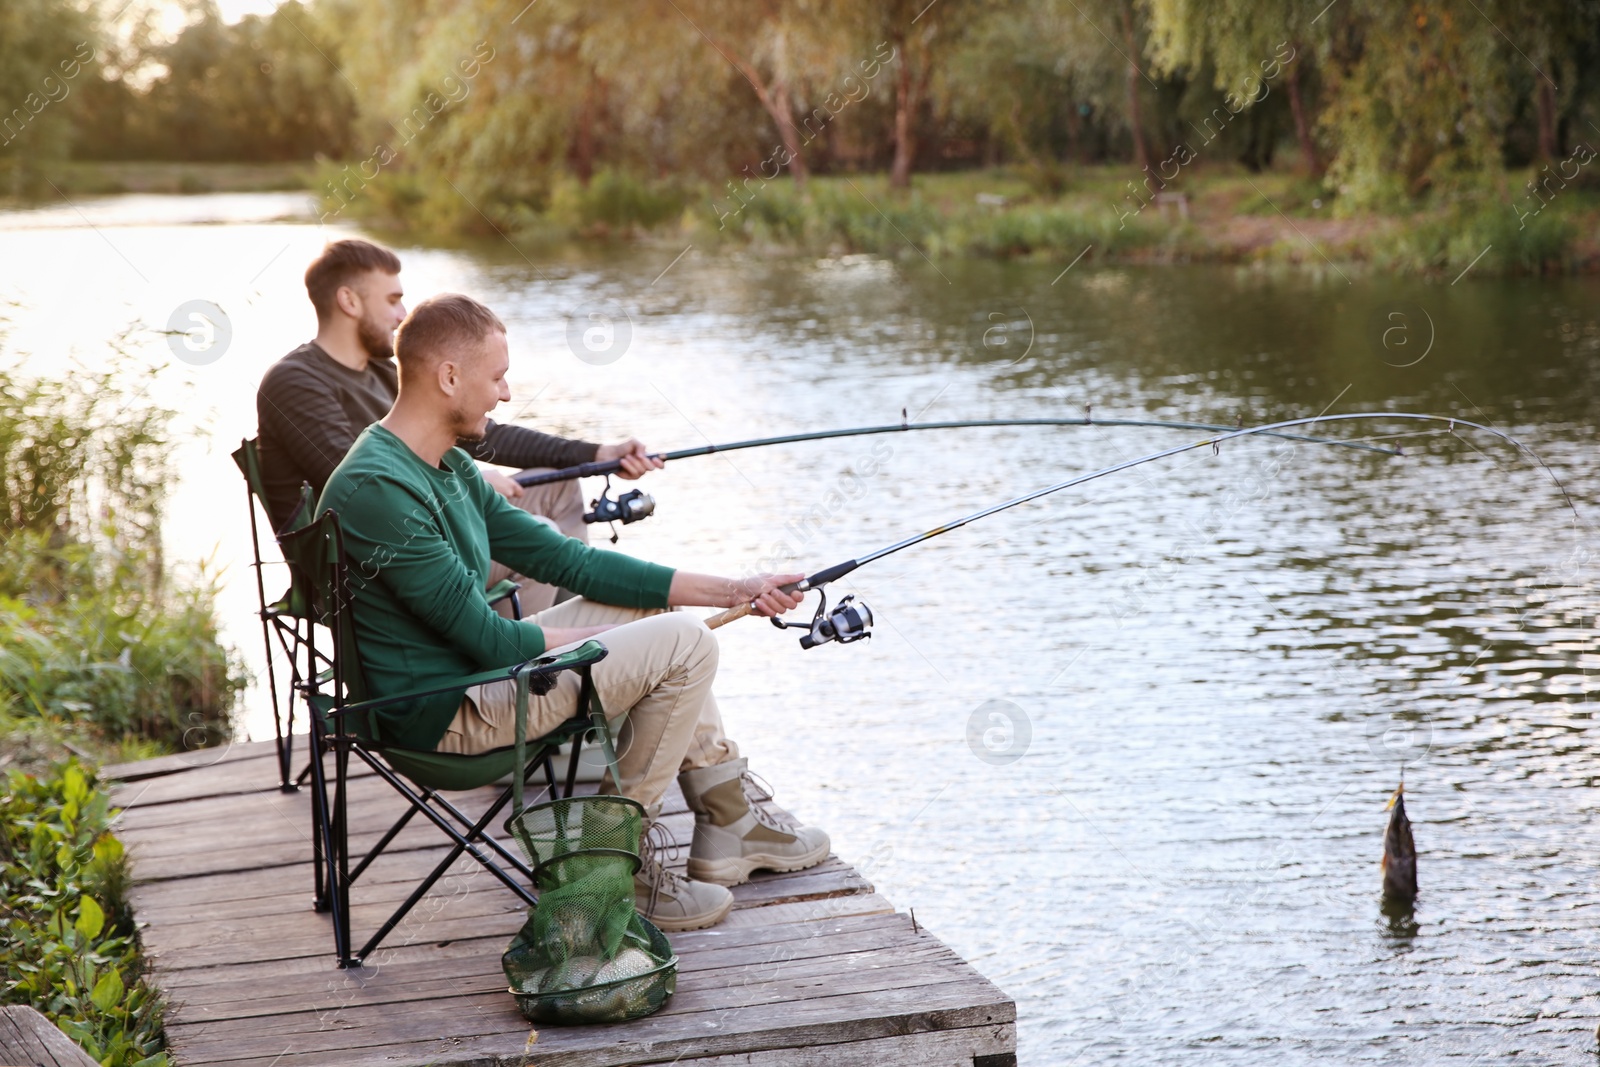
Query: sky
[234,10]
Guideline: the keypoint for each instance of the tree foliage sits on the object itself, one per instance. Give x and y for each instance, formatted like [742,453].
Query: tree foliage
[515,105]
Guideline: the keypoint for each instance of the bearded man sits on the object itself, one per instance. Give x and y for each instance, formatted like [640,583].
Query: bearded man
[314,402]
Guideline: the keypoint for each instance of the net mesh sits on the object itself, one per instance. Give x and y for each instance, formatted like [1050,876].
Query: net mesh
[585,954]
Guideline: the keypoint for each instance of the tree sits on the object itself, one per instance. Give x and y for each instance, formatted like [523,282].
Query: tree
[47,54]
[1416,97]
[1241,40]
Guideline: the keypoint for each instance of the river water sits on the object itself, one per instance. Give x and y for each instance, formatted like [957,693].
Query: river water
[1126,748]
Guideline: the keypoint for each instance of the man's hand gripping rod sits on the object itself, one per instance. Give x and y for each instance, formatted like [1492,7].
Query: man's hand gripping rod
[850,620]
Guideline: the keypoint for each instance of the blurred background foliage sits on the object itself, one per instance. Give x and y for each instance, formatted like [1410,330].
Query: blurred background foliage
[472,113]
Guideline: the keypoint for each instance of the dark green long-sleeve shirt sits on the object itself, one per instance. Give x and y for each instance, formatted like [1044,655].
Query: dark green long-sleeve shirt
[310,407]
[418,541]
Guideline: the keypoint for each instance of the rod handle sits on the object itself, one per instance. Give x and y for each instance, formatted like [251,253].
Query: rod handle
[741,610]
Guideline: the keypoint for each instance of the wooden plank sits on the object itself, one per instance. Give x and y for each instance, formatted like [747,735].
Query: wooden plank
[956,1048]
[295,929]
[283,890]
[27,1037]
[833,978]
[178,762]
[254,989]
[466,954]
[247,990]
[308,934]
[911,1006]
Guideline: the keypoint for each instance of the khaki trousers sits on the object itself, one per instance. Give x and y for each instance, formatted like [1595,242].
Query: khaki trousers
[656,678]
[562,504]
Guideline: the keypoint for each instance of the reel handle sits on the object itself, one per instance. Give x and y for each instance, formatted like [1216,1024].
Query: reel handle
[739,612]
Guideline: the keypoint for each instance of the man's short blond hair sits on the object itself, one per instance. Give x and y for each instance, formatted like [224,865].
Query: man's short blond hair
[450,325]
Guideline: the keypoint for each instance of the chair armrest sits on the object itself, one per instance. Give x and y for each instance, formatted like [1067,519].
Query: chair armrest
[583,655]
[503,589]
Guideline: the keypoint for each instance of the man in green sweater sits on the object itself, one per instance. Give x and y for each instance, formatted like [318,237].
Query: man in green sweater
[421,526]
[314,401]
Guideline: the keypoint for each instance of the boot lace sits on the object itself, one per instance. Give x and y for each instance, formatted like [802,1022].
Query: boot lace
[758,794]
[656,850]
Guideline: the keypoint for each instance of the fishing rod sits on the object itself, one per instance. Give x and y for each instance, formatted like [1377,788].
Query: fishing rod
[637,505]
[851,620]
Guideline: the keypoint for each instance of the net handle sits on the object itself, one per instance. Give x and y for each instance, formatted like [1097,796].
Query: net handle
[597,722]
[521,743]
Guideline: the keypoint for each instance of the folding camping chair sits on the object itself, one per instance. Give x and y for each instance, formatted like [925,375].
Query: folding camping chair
[343,723]
[285,627]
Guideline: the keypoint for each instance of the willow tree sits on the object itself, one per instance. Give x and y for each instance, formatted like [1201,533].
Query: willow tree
[1243,41]
[783,50]
[1416,97]
[47,54]
[915,39]
[1556,64]
[1026,71]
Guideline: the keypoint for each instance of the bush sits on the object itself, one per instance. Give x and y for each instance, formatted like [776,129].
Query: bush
[1450,241]
[92,631]
[615,201]
[67,936]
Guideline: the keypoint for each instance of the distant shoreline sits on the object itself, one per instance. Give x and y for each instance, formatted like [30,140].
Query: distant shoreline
[1093,214]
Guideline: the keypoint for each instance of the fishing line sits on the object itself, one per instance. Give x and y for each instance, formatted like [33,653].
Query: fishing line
[851,620]
[612,466]
[637,505]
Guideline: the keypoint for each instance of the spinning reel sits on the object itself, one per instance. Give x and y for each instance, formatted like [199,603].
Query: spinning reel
[850,620]
[633,506]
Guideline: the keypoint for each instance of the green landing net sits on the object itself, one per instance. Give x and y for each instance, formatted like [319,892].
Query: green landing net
[585,954]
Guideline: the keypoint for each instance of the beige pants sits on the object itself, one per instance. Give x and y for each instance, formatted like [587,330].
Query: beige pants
[562,504]
[657,674]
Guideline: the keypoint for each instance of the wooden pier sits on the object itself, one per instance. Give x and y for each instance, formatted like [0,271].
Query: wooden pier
[810,968]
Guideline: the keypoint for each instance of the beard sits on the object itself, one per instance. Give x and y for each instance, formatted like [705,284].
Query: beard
[466,428]
[378,342]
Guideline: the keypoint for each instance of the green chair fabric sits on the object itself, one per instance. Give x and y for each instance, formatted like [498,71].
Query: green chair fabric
[344,725]
[284,621]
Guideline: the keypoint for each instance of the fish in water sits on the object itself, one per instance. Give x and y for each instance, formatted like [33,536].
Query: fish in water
[1399,853]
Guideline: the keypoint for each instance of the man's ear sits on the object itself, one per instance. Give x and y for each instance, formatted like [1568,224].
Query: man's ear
[449,376]
[348,301]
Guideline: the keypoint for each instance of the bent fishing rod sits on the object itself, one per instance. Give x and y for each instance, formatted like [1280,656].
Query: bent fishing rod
[851,620]
[637,505]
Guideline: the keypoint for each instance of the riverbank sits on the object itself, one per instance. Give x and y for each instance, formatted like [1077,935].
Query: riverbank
[1218,214]
[111,178]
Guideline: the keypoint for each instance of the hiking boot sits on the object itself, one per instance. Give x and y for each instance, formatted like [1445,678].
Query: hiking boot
[668,899]
[735,833]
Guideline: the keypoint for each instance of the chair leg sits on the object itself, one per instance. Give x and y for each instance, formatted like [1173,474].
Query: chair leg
[283,731]
[320,855]
[321,839]
[549,765]
[340,840]
[376,850]
[572,763]
[463,843]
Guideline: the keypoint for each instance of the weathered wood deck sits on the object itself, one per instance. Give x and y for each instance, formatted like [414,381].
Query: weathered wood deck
[811,968]
[26,1037]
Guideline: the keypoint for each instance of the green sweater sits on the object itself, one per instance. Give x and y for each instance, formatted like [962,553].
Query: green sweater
[418,541]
